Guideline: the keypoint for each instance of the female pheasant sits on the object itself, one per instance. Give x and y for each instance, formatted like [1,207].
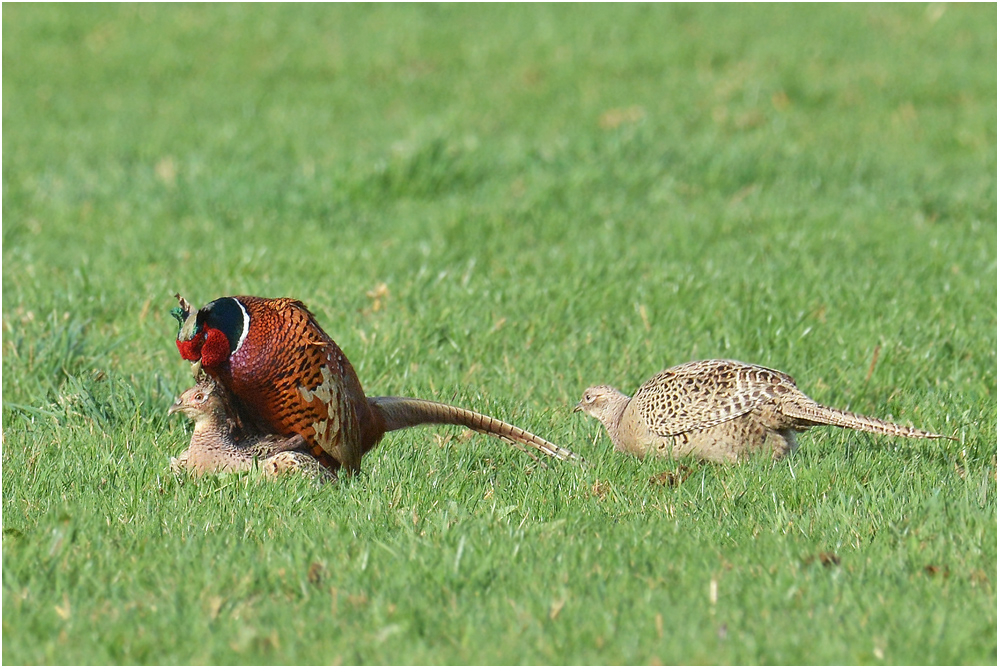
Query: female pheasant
[220,444]
[285,375]
[719,410]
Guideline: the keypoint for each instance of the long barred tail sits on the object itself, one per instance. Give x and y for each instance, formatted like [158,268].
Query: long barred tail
[403,412]
[820,415]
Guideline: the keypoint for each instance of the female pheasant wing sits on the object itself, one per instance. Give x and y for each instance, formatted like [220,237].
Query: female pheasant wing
[702,394]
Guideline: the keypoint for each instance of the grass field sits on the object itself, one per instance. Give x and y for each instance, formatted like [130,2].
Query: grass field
[498,206]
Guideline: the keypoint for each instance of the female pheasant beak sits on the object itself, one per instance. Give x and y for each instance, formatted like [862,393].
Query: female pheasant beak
[175,407]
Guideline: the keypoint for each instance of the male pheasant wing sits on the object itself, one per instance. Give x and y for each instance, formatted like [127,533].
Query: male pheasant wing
[330,391]
[702,394]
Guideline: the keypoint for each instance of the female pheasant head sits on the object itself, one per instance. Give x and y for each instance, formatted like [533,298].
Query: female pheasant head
[207,406]
[200,402]
[213,333]
[604,403]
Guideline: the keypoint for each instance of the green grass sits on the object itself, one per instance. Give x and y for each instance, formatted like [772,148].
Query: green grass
[553,196]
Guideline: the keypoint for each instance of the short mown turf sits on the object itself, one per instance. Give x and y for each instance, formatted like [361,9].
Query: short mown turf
[497,206]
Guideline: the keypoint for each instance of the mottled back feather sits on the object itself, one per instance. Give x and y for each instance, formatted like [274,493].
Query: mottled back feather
[702,394]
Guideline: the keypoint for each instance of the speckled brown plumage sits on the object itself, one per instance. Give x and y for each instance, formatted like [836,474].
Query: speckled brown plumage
[296,461]
[719,410]
[285,375]
[220,444]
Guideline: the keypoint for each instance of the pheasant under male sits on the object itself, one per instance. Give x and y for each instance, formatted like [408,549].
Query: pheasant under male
[220,444]
[286,376]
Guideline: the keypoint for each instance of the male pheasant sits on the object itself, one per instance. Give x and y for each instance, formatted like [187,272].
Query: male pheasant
[719,410]
[220,444]
[285,375]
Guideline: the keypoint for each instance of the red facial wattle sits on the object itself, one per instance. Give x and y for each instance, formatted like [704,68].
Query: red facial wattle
[191,349]
[215,350]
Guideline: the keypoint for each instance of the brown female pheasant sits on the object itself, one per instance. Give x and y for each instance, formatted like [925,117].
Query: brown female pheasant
[220,444]
[719,410]
[286,376]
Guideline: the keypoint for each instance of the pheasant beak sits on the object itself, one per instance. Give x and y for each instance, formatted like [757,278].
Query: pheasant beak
[174,408]
[578,407]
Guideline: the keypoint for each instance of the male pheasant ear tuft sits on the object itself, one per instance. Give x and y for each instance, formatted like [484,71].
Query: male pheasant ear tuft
[188,320]
[181,312]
